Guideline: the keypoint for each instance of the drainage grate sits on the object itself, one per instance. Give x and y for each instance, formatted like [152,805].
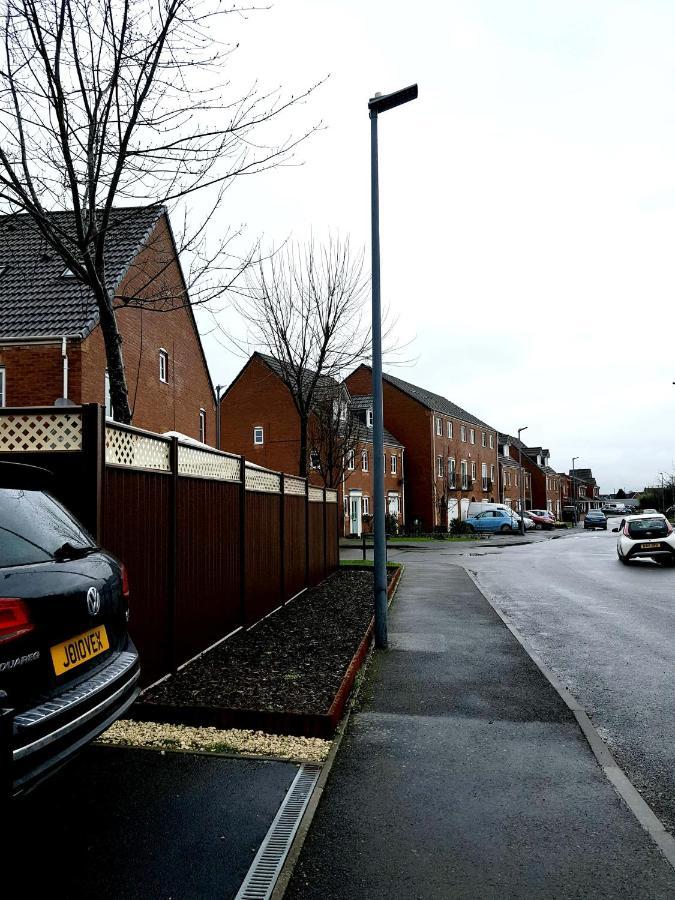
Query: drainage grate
[262,876]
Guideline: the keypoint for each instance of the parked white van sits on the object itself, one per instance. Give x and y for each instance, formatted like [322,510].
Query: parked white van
[479,506]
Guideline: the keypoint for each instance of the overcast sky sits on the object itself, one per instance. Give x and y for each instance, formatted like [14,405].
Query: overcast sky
[527,203]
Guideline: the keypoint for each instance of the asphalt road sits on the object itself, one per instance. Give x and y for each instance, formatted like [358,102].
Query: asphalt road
[118,823]
[607,632]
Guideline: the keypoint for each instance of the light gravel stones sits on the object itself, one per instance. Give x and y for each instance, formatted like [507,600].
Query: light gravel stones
[159,736]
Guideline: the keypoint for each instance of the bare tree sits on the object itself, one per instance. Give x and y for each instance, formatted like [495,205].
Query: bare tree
[304,305]
[333,434]
[104,102]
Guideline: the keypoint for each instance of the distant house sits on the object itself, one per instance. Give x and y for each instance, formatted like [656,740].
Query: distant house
[515,482]
[259,420]
[451,454]
[545,480]
[51,345]
[585,489]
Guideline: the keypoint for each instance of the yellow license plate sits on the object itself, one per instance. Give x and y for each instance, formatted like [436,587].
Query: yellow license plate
[79,649]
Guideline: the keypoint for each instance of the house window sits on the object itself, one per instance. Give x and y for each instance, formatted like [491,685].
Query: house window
[473,471]
[369,418]
[439,427]
[202,425]
[439,466]
[394,464]
[516,479]
[462,433]
[2,385]
[350,460]
[164,367]
[345,504]
[365,506]
[106,395]
[492,442]
[314,461]
[492,475]
[258,435]
[483,473]
[472,435]
[449,428]
[364,460]
[483,439]
[464,476]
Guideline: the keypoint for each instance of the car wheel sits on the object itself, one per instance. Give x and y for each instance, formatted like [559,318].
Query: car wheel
[505,528]
[471,529]
[622,559]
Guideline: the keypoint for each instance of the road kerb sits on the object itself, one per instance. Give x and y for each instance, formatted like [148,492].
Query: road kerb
[613,772]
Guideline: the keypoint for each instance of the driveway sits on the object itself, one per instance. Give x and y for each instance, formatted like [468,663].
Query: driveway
[129,824]
[606,630]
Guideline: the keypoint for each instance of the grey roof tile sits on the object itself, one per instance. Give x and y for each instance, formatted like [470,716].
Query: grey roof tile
[35,298]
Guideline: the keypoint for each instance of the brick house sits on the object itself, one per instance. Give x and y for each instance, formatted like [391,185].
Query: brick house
[587,491]
[514,479]
[451,455]
[545,481]
[259,420]
[51,345]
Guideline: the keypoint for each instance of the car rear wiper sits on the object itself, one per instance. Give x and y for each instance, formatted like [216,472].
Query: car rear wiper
[71,551]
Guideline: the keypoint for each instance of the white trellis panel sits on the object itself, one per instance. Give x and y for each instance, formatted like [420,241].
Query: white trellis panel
[40,432]
[296,486]
[262,480]
[331,496]
[315,494]
[197,463]
[136,450]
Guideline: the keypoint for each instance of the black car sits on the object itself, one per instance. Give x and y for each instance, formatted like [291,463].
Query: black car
[68,668]
[595,518]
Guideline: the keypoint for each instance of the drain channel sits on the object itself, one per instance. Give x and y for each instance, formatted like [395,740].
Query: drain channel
[261,877]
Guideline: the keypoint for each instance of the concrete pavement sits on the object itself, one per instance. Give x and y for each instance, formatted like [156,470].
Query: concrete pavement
[463,775]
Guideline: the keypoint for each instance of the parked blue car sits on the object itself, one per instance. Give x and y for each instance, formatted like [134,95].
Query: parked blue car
[493,520]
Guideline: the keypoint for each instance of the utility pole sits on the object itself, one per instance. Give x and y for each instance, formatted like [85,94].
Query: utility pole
[522,481]
[574,490]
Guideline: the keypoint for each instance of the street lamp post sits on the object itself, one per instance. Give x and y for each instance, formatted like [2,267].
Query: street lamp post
[522,481]
[663,493]
[378,104]
[574,490]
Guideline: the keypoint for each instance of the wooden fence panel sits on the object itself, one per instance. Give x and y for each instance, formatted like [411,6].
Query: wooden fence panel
[208,601]
[136,529]
[262,541]
[316,543]
[332,546]
[295,558]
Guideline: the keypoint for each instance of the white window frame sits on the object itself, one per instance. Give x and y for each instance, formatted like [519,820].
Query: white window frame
[483,439]
[483,475]
[474,472]
[462,433]
[107,402]
[369,418]
[350,460]
[314,459]
[345,506]
[3,385]
[365,506]
[472,435]
[492,475]
[492,442]
[464,474]
[202,425]
[364,460]
[439,426]
[256,429]
[394,464]
[439,466]
[163,365]
[450,429]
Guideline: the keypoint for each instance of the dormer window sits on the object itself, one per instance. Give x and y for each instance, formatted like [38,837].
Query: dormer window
[369,418]
[67,273]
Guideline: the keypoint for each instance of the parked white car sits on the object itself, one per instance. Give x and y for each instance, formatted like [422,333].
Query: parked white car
[646,536]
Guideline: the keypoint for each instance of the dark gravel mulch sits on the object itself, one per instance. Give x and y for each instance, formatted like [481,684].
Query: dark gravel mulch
[292,662]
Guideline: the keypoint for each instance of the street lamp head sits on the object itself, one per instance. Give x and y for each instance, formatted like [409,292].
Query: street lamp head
[382,102]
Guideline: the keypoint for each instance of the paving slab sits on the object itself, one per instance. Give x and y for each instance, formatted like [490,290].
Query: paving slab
[125,824]
[463,774]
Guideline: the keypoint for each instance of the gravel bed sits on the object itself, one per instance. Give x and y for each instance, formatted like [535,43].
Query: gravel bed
[294,661]
[125,733]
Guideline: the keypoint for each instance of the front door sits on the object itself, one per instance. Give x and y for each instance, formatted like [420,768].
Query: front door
[453,510]
[355,513]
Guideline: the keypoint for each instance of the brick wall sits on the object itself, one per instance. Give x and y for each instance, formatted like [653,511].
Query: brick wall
[34,373]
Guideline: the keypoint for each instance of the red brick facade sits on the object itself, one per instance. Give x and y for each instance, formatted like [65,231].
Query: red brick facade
[34,373]
[258,398]
[433,496]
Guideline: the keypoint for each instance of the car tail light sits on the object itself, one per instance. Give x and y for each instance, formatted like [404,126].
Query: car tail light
[14,619]
[669,528]
[625,530]
[125,581]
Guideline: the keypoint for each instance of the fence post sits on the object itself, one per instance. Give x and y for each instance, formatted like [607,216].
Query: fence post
[93,461]
[325,536]
[242,540]
[173,554]
[282,538]
[306,532]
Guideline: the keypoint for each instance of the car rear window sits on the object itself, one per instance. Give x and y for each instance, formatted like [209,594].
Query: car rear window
[33,526]
[656,527]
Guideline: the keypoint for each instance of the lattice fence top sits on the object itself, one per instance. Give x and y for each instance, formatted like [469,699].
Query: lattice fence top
[262,480]
[331,496]
[315,494]
[295,486]
[136,450]
[40,432]
[198,463]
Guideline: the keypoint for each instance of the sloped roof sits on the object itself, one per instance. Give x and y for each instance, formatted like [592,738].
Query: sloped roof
[434,402]
[325,382]
[35,299]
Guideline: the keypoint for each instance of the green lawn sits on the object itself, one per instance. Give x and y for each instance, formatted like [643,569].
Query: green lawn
[367,562]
